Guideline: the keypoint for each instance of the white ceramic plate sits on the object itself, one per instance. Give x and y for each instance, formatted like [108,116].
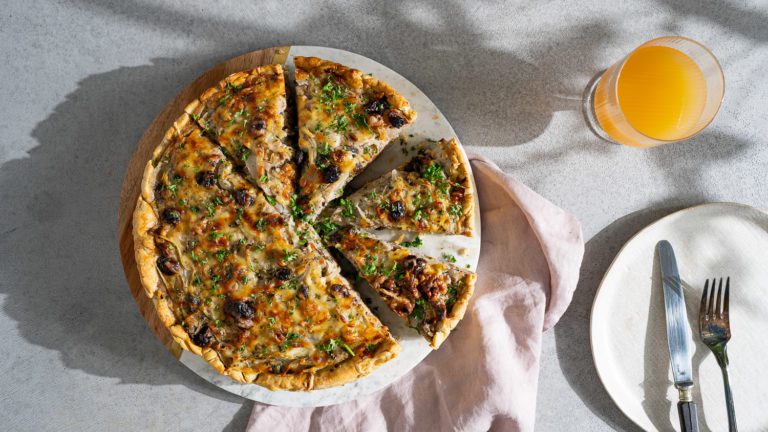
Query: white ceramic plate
[429,124]
[628,332]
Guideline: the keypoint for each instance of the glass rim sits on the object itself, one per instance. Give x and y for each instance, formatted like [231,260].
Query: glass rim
[719,100]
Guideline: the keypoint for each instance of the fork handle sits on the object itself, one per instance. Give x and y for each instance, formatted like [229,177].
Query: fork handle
[729,400]
[688,419]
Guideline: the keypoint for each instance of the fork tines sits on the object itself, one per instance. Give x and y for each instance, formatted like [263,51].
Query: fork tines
[711,301]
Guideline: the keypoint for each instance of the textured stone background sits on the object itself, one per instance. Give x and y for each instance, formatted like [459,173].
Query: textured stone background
[81,80]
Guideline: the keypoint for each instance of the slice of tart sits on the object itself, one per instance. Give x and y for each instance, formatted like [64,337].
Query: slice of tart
[245,115]
[345,120]
[431,193]
[430,294]
[242,285]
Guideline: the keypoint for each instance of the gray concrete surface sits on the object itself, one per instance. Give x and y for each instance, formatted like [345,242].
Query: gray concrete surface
[81,80]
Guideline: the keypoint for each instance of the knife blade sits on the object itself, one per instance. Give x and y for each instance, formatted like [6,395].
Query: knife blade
[678,336]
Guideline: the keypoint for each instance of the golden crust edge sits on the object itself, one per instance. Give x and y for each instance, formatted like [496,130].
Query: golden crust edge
[459,162]
[457,313]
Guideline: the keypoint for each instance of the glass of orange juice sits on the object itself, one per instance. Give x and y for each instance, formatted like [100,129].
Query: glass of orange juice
[666,90]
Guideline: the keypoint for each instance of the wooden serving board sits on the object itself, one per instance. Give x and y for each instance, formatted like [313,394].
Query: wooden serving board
[131,182]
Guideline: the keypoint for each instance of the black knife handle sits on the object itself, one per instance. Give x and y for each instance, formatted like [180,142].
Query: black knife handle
[689,421]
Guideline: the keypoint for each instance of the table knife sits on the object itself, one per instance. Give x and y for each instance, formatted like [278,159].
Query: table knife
[678,337]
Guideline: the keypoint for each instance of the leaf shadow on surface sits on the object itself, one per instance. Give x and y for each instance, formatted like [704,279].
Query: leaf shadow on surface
[67,291]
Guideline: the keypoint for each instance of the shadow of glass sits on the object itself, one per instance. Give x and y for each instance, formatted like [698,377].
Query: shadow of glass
[572,332]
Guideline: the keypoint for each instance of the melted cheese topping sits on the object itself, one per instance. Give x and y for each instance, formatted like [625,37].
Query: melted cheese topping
[345,123]
[419,288]
[243,279]
[428,194]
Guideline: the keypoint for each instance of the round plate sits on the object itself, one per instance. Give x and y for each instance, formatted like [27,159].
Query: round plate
[628,329]
[430,124]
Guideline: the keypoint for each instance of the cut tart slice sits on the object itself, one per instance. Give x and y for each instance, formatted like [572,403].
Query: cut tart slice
[345,120]
[248,289]
[431,193]
[432,295]
[245,115]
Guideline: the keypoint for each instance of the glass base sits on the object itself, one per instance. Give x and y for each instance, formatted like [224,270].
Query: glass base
[588,109]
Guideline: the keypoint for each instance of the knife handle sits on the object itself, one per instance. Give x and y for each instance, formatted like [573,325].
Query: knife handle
[689,421]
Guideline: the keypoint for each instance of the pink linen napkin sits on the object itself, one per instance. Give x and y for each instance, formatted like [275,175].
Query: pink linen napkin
[485,375]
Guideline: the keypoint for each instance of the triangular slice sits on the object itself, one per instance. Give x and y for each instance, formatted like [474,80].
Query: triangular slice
[431,193]
[245,115]
[346,119]
[248,289]
[432,295]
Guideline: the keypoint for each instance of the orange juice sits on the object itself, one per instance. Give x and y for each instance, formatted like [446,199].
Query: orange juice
[661,93]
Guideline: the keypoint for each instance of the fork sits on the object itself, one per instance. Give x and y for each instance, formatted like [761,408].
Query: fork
[715,331]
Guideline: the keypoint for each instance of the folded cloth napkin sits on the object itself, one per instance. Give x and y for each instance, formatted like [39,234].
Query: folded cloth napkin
[485,375]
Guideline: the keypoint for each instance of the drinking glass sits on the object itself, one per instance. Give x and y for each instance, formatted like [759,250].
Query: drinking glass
[666,90]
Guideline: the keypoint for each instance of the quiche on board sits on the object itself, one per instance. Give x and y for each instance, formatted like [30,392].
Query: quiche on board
[346,118]
[431,193]
[225,246]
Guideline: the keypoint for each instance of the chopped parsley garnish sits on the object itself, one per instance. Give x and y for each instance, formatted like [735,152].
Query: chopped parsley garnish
[197,280]
[418,215]
[452,294]
[290,255]
[302,237]
[418,310]
[221,255]
[372,195]
[263,178]
[271,321]
[214,235]
[243,153]
[347,349]
[324,149]
[232,88]
[340,123]
[194,209]
[325,227]
[290,340]
[369,268]
[349,107]
[197,259]
[348,210]
[449,258]
[223,100]
[332,92]
[261,224]
[270,199]
[456,210]
[329,347]
[174,185]
[361,121]
[433,172]
[416,242]
[296,211]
